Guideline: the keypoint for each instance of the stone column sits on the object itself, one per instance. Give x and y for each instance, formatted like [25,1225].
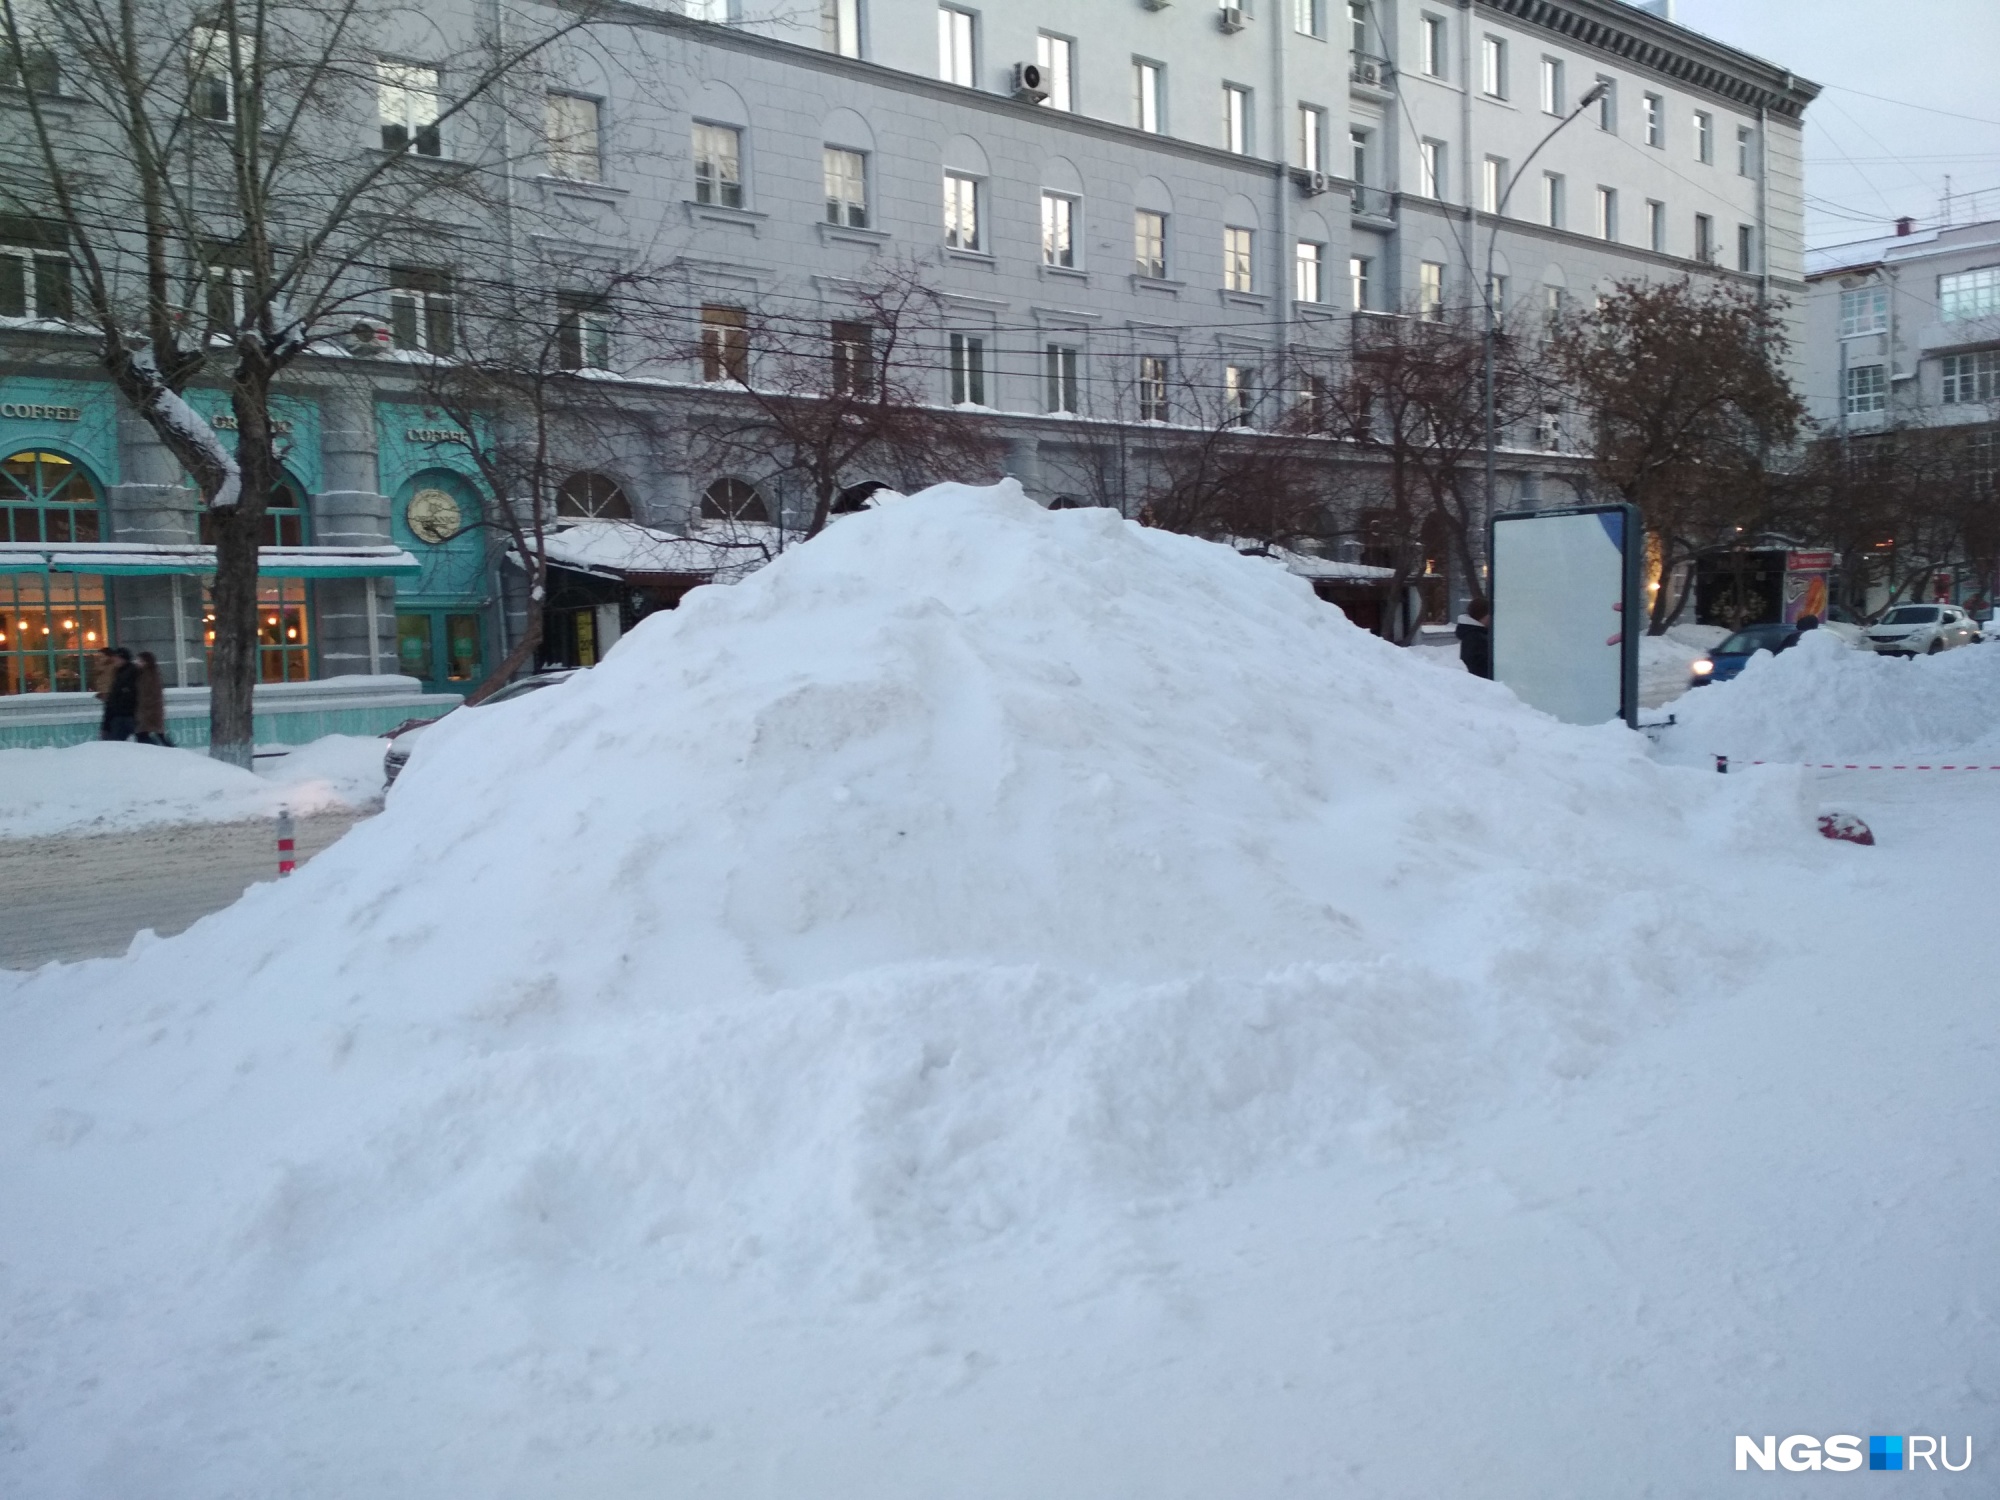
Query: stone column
[156,504]
[1024,462]
[356,617]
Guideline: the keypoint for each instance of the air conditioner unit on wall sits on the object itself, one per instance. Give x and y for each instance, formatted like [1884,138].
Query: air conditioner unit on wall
[1232,18]
[1315,183]
[1028,85]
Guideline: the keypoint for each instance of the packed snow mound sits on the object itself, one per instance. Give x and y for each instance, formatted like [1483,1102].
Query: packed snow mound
[103,786]
[972,880]
[1823,701]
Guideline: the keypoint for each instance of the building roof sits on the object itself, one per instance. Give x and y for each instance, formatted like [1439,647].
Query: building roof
[1938,239]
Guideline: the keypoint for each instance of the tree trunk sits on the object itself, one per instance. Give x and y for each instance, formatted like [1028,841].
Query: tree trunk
[233,658]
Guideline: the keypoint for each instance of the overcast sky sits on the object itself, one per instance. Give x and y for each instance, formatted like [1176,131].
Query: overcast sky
[1869,161]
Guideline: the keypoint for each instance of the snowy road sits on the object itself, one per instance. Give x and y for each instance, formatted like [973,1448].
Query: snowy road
[70,898]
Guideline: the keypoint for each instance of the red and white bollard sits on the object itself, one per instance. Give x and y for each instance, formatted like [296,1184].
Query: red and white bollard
[286,863]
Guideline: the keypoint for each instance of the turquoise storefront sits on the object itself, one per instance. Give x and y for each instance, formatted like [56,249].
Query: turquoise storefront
[436,500]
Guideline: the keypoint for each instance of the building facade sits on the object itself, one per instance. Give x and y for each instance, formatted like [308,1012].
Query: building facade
[1131,211]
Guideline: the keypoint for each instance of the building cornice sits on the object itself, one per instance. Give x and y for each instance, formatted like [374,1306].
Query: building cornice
[1645,41]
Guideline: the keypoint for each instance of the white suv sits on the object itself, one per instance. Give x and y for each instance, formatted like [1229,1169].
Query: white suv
[1922,629]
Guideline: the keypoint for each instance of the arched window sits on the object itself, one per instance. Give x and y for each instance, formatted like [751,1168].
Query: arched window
[592,497]
[734,500]
[285,518]
[45,497]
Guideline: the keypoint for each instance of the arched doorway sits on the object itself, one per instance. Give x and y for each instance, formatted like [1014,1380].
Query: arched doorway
[51,624]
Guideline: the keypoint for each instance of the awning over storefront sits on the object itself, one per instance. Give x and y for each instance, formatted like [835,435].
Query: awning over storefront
[143,560]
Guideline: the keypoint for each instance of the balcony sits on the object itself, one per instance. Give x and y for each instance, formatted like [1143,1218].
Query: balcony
[1373,205]
[1372,77]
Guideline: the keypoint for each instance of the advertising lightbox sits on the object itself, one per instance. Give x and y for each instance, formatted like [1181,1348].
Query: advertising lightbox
[1565,588]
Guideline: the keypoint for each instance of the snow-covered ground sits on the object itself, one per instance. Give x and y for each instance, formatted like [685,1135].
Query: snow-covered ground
[103,787]
[1010,1003]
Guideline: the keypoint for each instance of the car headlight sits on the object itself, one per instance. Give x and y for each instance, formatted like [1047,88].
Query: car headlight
[1701,667]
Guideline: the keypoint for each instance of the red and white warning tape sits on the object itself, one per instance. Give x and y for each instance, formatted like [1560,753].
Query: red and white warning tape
[1722,764]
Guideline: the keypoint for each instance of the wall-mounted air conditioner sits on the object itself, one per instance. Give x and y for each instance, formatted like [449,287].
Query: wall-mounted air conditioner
[1315,183]
[1028,84]
[1231,18]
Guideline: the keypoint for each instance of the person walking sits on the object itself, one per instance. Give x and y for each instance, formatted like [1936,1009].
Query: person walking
[121,697]
[1475,637]
[150,722]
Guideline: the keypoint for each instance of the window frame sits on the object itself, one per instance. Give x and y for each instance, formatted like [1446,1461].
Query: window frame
[1656,121]
[558,156]
[1705,247]
[1055,55]
[840,27]
[1239,394]
[1970,379]
[966,362]
[415,142]
[1149,112]
[958,46]
[1062,381]
[1152,268]
[1312,137]
[583,330]
[1153,388]
[1309,267]
[1873,313]
[1492,184]
[1968,295]
[1060,213]
[1607,214]
[957,207]
[1493,79]
[1239,259]
[1237,118]
[1554,190]
[844,210]
[1607,104]
[1433,168]
[725,343]
[1309,18]
[1361,281]
[1656,226]
[1430,290]
[1864,389]
[1553,92]
[431,295]
[1704,137]
[1434,45]
[712,188]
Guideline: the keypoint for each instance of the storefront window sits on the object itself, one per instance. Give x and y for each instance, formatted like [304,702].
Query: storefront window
[51,628]
[284,644]
[45,497]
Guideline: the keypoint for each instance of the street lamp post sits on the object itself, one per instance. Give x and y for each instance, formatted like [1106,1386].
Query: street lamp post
[1596,92]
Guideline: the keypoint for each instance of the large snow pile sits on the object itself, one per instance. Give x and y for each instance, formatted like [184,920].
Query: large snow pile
[1824,701]
[102,786]
[992,1005]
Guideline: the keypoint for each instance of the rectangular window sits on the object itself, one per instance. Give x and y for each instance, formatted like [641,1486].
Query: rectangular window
[40,67]
[1552,86]
[36,285]
[1359,277]
[583,332]
[1149,243]
[1059,363]
[1865,389]
[1493,67]
[968,369]
[1308,260]
[1972,379]
[1308,17]
[1746,151]
[1969,294]
[1552,199]
[1704,238]
[1656,120]
[422,309]
[1235,119]
[1146,95]
[406,99]
[1357,27]
[1607,104]
[1496,292]
[1054,55]
[1607,213]
[1237,263]
[718,165]
[955,45]
[846,175]
[961,212]
[1552,300]
[1704,135]
[1430,169]
[1058,230]
[1746,247]
[216,62]
[572,126]
[725,343]
[1434,46]
[1430,289]
[1357,149]
[840,26]
[1864,311]
[1492,183]
[1312,138]
[1239,395]
[1656,225]
[51,625]
[1152,388]
[852,354]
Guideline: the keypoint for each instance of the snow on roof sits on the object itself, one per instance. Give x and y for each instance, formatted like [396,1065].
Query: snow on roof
[1305,565]
[1917,243]
[725,552]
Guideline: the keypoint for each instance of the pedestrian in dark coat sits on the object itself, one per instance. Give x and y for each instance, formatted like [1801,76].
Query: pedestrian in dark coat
[1475,637]
[121,698]
[150,723]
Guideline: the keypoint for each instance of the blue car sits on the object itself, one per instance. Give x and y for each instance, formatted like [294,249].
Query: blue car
[1726,660]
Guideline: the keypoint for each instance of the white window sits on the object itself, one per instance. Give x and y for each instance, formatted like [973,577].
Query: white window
[1865,310]
[955,45]
[1704,135]
[1746,151]
[1552,86]
[572,126]
[1357,27]
[961,211]
[1235,118]
[1308,260]
[1152,388]
[1060,365]
[1496,292]
[718,165]
[1357,147]
[1237,262]
[840,26]
[1430,289]
[852,351]
[1552,199]
[1493,67]
[1746,247]
[1149,243]
[846,175]
[422,309]
[1430,169]
[1656,225]
[1656,120]
[1146,95]
[1239,395]
[1969,294]
[583,332]
[1607,104]
[1492,183]
[1308,17]
[1866,389]
[38,285]
[1359,276]
[217,63]
[1312,138]
[1058,230]
[406,100]
[39,68]
[1552,299]
[725,343]
[968,369]
[1972,379]
[1607,213]
[1054,55]
[1434,53]
[1704,237]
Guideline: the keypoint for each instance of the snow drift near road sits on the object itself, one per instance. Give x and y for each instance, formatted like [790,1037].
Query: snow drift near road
[993,1005]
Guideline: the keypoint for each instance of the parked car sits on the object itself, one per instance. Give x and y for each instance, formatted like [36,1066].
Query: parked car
[1734,654]
[1922,630]
[403,738]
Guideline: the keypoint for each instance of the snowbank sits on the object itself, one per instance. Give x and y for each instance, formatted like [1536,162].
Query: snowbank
[101,786]
[1664,659]
[1822,701]
[975,1009]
